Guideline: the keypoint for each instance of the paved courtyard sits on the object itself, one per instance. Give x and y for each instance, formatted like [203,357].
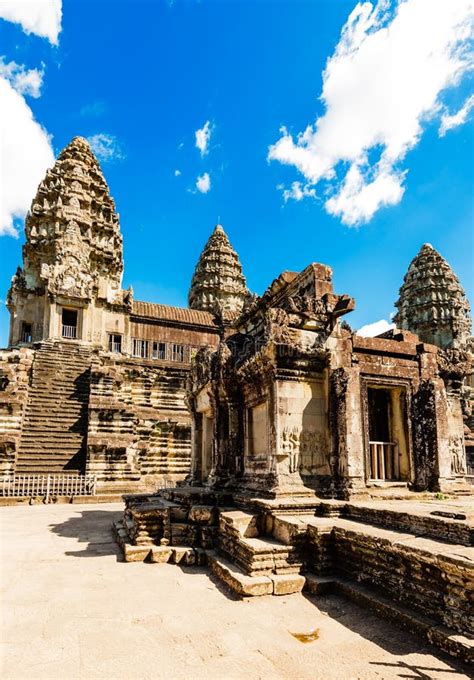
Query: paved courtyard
[72,609]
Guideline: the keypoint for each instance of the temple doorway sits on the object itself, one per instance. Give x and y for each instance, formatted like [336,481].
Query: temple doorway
[69,324]
[388,458]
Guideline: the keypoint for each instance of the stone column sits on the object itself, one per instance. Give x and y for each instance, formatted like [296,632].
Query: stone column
[348,459]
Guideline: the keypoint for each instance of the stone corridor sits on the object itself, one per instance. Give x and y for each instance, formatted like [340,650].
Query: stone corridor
[72,609]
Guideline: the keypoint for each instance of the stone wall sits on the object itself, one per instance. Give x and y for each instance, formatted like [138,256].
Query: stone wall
[15,374]
[139,427]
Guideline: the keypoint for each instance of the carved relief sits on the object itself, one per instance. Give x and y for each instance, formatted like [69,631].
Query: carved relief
[304,449]
[458,463]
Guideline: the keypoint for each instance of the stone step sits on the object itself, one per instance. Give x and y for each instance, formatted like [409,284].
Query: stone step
[46,389]
[65,450]
[47,448]
[50,430]
[53,457]
[239,523]
[45,368]
[261,555]
[45,422]
[56,405]
[243,585]
[423,627]
[47,469]
[43,434]
[59,412]
[152,461]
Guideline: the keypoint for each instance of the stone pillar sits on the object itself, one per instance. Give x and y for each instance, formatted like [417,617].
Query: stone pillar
[348,459]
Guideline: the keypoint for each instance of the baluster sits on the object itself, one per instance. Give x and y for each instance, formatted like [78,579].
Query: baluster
[382,461]
[388,460]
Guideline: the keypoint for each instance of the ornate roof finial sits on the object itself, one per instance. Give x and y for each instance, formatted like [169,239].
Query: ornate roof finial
[73,204]
[432,303]
[218,284]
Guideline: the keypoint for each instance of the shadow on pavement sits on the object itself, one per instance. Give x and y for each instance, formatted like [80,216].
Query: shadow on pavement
[394,640]
[93,529]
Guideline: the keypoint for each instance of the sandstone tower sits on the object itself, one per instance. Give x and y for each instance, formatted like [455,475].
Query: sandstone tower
[72,258]
[432,303]
[218,285]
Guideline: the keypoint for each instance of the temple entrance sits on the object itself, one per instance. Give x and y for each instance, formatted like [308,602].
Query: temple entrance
[69,324]
[388,452]
[26,332]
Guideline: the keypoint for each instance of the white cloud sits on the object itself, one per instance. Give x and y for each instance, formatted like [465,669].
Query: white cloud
[451,121]
[177,173]
[24,81]
[42,17]
[297,191]
[203,183]
[25,154]
[385,79]
[203,136]
[106,147]
[370,330]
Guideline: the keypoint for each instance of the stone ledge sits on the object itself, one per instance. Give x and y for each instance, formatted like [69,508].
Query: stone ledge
[442,637]
[286,584]
[235,579]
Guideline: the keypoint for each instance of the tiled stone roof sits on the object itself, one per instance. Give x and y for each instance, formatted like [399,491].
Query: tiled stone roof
[152,310]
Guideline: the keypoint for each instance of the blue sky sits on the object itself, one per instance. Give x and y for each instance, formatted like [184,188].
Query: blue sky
[361,191]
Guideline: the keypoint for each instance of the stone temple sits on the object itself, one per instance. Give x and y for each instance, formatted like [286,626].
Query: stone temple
[249,433]
[273,394]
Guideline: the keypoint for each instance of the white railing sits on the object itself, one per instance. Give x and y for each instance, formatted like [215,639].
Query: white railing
[384,461]
[69,331]
[46,486]
[116,347]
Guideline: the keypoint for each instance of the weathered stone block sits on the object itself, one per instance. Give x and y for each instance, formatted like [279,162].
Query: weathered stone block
[182,555]
[238,582]
[160,554]
[286,584]
[201,514]
[135,553]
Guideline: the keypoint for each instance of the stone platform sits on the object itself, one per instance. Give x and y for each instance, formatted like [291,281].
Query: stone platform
[409,560]
[73,610]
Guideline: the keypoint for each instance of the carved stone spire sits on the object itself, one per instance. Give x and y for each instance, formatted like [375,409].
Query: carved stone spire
[218,284]
[72,224]
[432,303]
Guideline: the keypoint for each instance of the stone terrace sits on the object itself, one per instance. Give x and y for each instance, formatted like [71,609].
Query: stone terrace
[72,609]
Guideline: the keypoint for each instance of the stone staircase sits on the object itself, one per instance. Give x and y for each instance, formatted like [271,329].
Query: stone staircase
[54,431]
[250,563]
[168,453]
[413,564]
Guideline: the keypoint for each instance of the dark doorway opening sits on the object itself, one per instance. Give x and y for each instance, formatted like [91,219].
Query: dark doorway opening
[379,415]
[26,332]
[384,449]
[69,323]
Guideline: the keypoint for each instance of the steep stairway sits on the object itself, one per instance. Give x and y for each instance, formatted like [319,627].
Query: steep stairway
[168,452]
[54,431]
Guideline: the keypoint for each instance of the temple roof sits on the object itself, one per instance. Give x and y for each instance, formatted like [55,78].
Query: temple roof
[152,310]
[218,284]
[432,302]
